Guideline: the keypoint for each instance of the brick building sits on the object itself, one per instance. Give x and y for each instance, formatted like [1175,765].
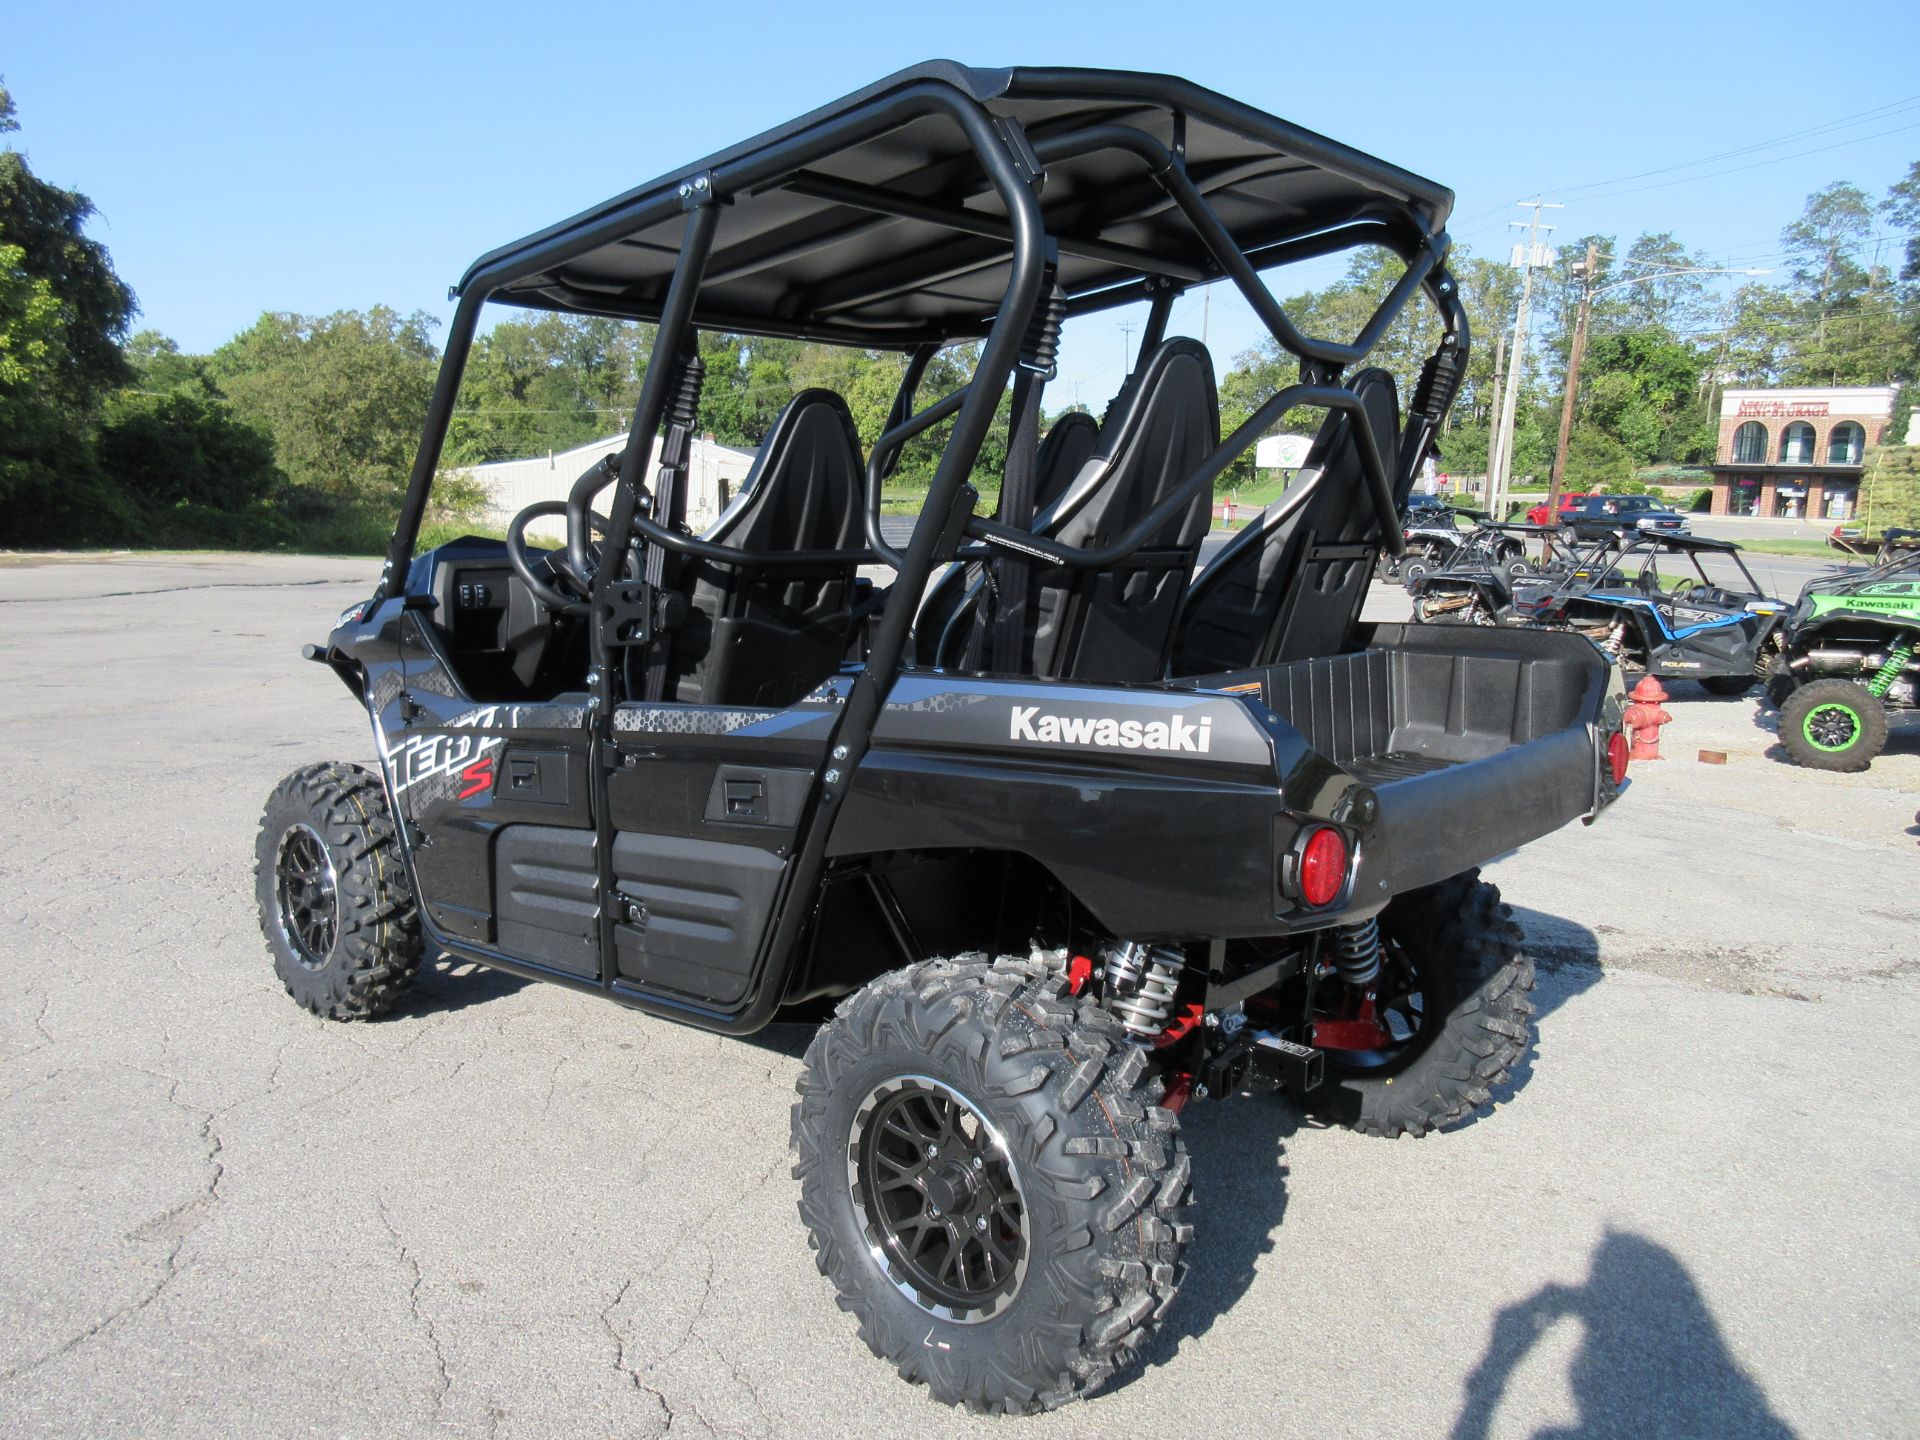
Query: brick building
[1796,453]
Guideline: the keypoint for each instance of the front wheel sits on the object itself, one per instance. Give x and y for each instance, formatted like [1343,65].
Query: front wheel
[988,1183]
[1446,1020]
[335,901]
[1833,725]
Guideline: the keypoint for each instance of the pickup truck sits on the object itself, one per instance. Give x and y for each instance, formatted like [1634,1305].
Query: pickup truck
[1597,515]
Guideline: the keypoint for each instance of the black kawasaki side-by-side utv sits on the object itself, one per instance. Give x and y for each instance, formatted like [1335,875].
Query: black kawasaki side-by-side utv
[1073,836]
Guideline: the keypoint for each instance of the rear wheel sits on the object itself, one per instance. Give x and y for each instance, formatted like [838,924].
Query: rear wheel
[988,1183]
[1447,1019]
[1833,725]
[336,904]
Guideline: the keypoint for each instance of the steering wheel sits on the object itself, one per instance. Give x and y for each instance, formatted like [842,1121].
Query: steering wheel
[575,563]
[522,563]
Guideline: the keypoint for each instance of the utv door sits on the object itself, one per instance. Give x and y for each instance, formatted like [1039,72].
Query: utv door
[498,800]
[704,803]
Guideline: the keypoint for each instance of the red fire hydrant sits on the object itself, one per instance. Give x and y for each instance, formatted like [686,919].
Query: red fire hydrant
[1644,718]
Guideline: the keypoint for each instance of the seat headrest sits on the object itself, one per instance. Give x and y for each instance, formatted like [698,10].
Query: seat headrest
[1067,447]
[808,466]
[1173,386]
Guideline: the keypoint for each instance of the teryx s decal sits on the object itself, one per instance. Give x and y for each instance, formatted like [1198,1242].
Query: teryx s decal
[441,753]
[479,778]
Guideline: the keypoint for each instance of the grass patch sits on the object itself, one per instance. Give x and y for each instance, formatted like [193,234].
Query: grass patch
[1788,545]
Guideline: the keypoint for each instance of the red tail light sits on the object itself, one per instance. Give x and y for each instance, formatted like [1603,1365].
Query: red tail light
[1323,867]
[1617,755]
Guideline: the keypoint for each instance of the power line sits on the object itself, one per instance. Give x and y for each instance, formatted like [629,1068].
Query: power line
[1878,112]
[1755,165]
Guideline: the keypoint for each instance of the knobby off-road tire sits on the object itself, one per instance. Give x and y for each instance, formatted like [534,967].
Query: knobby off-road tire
[336,903]
[1476,1020]
[1068,1117]
[1833,725]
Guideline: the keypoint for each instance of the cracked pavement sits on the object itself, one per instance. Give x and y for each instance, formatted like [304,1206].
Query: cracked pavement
[514,1211]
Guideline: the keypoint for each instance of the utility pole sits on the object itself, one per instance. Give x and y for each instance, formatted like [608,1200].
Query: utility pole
[1529,255]
[1586,268]
[1494,412]
[1582,319]
[1126,346]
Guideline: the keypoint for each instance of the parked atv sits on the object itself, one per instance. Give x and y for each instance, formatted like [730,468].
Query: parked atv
[1714,625]
[1073,837]
[1846,660]
[1433,534]
[1476,584]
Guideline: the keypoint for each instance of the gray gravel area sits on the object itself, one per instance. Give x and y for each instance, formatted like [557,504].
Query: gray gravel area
[517,1211]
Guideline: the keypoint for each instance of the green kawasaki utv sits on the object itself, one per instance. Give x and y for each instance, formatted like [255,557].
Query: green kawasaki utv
[1847,659]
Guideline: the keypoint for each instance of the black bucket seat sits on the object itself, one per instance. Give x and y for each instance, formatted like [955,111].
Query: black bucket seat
[1113,624]
[767,634]
[1290,585]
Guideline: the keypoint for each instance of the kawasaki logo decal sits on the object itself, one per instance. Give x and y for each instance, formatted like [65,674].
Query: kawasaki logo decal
[1173,733]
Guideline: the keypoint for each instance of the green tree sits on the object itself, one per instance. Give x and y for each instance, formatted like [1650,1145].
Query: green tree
[547,383]
[1901,211]
[342,396]
[1851,333]
[62,312]
[1595,460]
[1642,387]
[160,367]
[1890,488]
[47,225]
[187,449]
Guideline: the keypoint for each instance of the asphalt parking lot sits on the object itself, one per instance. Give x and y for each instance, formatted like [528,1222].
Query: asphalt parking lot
[515,1211]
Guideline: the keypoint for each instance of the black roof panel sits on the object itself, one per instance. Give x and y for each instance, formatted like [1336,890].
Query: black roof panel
[803,250]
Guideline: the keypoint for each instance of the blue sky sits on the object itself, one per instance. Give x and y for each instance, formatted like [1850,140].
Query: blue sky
[280,157]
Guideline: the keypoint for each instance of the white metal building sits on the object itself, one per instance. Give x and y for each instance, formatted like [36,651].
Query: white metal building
[713,474]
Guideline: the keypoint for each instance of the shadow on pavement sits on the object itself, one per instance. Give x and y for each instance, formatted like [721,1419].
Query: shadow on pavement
[1240,1175]
[1651,1360]
[448,984]
[1563,949]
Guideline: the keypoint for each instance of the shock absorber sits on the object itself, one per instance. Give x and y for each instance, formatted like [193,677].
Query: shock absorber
[1884,677]
[1356,951]
[683,404]
[1140,985]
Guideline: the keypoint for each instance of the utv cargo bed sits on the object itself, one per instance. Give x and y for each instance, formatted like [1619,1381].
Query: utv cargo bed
[1476,740]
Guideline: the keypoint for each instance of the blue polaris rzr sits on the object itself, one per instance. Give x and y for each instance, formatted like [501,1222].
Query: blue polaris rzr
[1676,606]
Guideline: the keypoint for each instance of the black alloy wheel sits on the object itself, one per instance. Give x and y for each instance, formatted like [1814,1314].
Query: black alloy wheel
[1449,1018]
[989,1182]
[934,1187]
[336,902]
[307,891]
[1398,1016]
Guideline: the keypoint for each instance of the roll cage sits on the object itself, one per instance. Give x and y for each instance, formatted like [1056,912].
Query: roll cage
[948,204]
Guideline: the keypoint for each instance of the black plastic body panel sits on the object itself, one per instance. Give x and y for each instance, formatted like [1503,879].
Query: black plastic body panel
[1164,809]
[547,886]
[702,909]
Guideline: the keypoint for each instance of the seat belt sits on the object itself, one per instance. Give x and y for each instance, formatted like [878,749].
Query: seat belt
[670,513]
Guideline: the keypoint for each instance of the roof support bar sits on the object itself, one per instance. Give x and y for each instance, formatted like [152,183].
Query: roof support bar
[1172,176]
[1330,397]
[900,207]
